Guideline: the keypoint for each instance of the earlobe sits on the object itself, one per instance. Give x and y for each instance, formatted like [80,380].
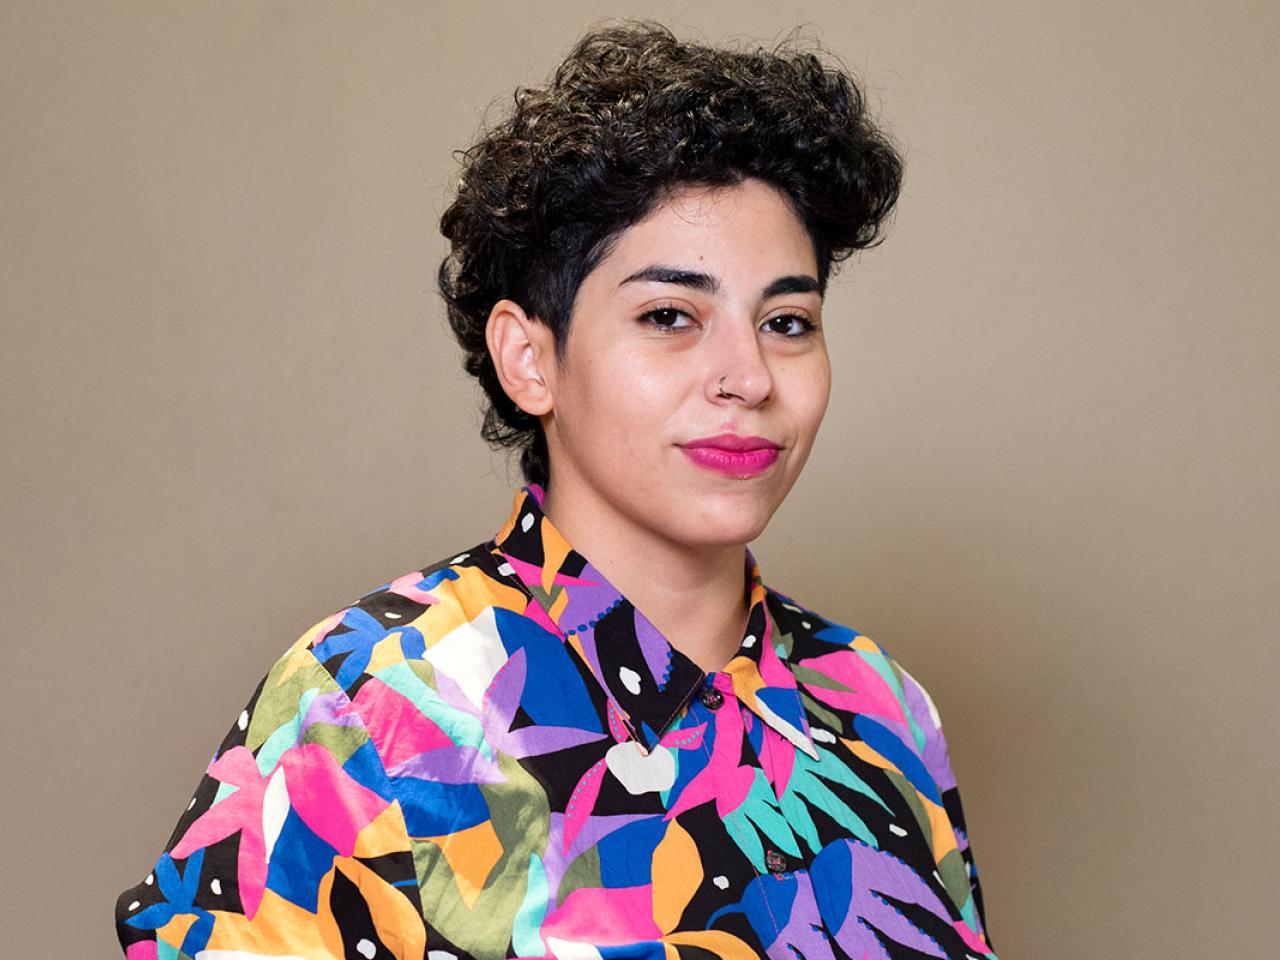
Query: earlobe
[521,347]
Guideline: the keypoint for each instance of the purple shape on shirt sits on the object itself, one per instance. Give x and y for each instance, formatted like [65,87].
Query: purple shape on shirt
[655,649]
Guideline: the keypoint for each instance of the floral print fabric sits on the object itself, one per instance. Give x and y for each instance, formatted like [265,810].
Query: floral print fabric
[500,756]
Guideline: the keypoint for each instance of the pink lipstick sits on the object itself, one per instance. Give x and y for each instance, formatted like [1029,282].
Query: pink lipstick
[732,455]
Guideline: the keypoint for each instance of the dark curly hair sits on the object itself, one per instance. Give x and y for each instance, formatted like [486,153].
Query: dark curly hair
[630,114]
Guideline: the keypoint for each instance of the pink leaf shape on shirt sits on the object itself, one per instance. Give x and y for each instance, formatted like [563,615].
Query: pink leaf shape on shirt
[604,916]
[240,811]
[868,693]
[399,729]
[724,778]
[408,587]
[970,937]
[777,760]
[772,670]
[327,798]
[582,801]
[689,739]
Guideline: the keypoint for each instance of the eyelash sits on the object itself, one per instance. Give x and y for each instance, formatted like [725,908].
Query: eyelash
[650,316]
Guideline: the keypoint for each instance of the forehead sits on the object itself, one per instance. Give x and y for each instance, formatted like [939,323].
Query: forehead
[749,227]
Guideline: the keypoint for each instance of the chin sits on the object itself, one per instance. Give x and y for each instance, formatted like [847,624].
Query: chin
[724,521]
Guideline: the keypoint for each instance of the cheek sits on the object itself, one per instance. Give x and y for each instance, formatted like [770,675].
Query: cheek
[623,400]
[811,390]
[640,388]
[822,395]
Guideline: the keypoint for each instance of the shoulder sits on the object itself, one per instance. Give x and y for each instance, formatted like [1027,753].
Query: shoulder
[354,678]
[396,622]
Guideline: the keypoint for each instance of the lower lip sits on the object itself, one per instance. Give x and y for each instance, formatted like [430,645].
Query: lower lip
[733,463]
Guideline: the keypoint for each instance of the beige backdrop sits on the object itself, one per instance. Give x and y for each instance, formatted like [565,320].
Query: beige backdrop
[230,406]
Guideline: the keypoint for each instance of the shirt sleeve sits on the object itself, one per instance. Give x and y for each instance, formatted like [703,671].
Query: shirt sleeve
[924,714]
[293,843]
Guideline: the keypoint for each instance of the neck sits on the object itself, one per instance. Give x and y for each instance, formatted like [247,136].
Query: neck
[697,596]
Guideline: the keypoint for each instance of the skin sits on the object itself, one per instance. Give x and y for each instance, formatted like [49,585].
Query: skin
[641,375]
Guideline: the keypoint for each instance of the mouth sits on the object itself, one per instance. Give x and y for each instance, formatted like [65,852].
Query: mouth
[732,455]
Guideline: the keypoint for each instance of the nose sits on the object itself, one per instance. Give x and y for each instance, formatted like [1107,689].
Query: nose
[738,371]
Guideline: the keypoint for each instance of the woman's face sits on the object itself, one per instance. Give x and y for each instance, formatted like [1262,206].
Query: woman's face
[695,373]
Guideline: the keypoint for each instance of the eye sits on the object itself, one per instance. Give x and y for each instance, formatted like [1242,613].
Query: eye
[667,318]
[790,325]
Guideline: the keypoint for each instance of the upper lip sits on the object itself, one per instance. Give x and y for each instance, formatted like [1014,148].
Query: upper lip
[732,441]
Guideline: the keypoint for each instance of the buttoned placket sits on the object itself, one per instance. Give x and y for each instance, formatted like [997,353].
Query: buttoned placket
[716,694]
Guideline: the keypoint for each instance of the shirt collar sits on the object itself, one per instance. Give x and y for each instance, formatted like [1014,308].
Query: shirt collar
[648,680]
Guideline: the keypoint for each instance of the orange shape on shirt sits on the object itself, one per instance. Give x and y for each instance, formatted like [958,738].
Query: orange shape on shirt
[677,874]
[471,854]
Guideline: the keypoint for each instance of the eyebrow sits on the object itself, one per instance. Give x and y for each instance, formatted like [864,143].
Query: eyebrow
[657,273]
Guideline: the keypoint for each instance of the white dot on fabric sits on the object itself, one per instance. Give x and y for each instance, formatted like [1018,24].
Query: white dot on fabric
[151,878]
[460,557]
[192,803]
[243,722]
[526,522]
[749,641]
[506,570]
[630,679]
[822,736]
[806,624]
[366,949]
[440,955]
[721,882]
[216,886]
[896,830]
[135,905]
[392,616]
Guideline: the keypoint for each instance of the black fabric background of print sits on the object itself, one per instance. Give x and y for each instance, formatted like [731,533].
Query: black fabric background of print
[355,922]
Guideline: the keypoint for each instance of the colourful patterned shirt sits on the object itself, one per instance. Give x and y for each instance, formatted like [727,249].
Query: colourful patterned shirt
[500,756]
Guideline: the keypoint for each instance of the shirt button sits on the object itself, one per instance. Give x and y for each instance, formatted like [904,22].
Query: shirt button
[775,861]
[711,698]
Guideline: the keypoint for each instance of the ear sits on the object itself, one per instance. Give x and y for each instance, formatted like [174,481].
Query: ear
[523,352]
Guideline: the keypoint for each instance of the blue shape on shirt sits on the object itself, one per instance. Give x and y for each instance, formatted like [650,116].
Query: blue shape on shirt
[298,863]
[832,876]
[837,634]
[767,903]
[364,766]
[886,743]
[785,703]
[179,892]
[626,854]
[556,697]
[649,950]
[431,581]
[434,809]
[412,643]
[362,633]
[690,763]
[755,736]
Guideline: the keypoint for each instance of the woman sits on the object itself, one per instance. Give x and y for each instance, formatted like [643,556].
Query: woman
[501,755]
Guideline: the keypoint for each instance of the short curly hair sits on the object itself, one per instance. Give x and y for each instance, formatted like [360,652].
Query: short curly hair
[631,114]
